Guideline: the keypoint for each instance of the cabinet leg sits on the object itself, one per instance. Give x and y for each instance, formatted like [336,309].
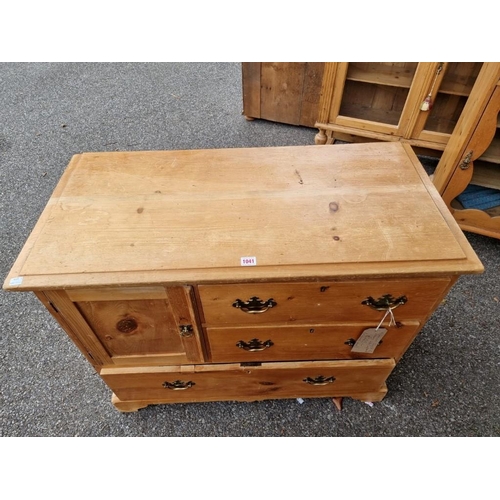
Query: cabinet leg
[338,403]
[127,406]
[320,137]
[249,118]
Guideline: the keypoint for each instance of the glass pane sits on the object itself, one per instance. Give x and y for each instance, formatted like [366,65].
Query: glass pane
[448,102]
[377,91]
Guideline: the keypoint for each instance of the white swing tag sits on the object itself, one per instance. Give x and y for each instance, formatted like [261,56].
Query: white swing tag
[369,340]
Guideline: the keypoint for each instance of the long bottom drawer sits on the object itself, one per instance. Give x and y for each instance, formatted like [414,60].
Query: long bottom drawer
[235,382]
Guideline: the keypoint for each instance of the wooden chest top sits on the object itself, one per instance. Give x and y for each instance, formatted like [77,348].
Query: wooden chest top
[299,212]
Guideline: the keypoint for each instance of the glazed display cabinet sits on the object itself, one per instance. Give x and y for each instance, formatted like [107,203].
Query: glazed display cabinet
[415,102]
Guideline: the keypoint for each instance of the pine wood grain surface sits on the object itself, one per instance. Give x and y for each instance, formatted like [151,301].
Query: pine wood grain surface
[130,213]
[247,383]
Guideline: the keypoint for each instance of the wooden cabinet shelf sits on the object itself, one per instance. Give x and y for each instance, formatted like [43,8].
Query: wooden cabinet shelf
[382,74]
[441,123]
[493,212]
[456,88]
[492,154]
[486,174]
[459,78]
[366,113]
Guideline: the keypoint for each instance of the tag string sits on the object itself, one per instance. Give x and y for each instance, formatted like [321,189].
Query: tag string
[392,320]
[427,102]
[438,71]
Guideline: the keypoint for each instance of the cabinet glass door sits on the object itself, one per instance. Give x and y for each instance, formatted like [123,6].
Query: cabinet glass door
[377,91]
[449,90]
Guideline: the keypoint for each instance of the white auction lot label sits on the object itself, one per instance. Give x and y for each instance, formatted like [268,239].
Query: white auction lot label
[248,261]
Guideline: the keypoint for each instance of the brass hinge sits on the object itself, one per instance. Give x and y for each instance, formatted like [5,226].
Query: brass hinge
[465,164]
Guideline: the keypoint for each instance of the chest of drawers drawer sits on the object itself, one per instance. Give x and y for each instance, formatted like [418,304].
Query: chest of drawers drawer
[279,303]
[227,382]
[303,342]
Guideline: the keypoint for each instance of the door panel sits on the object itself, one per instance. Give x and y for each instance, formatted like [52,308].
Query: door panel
[145,324]
[127,327]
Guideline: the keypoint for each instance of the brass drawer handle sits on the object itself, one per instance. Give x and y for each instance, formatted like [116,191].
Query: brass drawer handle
[254,345]
[319,380]
[254,305]
[385,302]
[178,385]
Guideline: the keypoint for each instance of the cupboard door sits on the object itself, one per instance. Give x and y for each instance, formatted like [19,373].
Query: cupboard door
[147,325]
[448,88]
[375,96]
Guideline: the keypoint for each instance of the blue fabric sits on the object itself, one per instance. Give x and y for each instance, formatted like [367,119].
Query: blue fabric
[479,197]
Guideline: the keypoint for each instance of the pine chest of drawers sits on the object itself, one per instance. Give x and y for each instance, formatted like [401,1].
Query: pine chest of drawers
[244,274]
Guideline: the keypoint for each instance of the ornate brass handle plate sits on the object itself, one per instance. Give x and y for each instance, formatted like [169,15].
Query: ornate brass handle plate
[254,345]
[254,305]
[385,302]
[178,385]
[319,380]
